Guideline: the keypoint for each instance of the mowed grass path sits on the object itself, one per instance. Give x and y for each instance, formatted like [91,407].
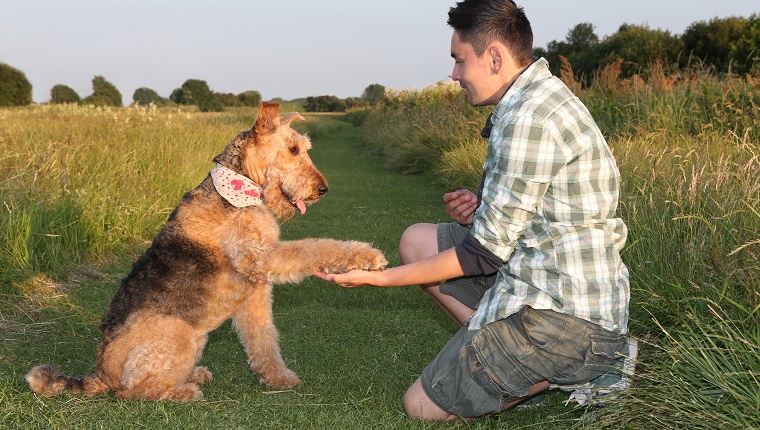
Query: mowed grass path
[356,350]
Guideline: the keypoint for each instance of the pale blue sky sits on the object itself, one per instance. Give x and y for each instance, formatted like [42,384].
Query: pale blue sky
[281,48]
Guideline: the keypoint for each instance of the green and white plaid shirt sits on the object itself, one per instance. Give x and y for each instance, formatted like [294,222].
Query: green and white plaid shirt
[549,197]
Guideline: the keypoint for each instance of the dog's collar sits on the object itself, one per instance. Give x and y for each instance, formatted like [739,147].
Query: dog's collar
[237,189]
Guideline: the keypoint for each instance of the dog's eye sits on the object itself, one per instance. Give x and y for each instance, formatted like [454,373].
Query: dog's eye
[293,150]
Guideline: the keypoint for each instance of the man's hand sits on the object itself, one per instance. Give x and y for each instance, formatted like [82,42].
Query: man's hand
[353,278]
[461,205]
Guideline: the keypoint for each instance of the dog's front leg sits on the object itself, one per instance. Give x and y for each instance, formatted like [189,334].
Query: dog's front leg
[291,261]
[255,327]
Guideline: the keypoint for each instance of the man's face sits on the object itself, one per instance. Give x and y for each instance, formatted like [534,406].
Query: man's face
[474,74]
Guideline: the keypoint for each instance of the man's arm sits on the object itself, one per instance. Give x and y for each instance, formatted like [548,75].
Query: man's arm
[436,268]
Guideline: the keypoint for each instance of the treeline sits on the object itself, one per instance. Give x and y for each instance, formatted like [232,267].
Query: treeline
[725,45]
[16,90]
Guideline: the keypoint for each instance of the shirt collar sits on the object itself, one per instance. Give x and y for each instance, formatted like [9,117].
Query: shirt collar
[538,70]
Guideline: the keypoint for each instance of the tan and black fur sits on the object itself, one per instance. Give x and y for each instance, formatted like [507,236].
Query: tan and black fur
[211,262]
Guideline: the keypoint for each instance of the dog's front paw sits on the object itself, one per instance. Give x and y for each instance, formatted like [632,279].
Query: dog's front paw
[368,258]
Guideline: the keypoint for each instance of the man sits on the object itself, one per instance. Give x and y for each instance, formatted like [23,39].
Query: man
[537,282]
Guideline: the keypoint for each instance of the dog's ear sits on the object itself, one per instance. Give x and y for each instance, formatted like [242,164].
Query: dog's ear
[293,116]
[269,118]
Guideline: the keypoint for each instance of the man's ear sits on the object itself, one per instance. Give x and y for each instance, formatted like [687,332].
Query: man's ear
[497,59]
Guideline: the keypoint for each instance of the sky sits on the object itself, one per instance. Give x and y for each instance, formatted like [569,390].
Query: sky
[282,48]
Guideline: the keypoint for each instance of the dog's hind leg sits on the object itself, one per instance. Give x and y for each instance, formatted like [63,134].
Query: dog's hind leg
[159,361]
[255,327]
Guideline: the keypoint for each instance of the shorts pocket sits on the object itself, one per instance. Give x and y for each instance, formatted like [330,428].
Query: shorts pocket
[602,352]
[483,375]
[495,369]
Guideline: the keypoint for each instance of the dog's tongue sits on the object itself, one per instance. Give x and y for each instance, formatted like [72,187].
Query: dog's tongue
[301,206]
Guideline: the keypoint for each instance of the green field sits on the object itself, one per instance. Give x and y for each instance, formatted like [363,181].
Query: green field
[83,191]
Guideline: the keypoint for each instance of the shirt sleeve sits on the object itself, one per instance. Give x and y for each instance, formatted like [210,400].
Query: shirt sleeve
[475,259]
[523,157]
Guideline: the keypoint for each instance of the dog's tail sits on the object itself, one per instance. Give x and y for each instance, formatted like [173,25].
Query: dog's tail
[49,382]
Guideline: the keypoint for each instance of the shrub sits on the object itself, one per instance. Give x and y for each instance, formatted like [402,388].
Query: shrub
[324,104]
[228,99]
[196,92]
[373,94]
[15,89]
[145,96]
[747,49]
[250,98]
[63,94]
[104,93]
[210,103]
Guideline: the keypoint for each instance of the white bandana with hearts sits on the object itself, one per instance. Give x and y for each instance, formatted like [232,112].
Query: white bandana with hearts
[236,189]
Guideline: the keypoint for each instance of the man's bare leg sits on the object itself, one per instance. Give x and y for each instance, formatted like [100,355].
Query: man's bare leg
[417,404]
[419,242]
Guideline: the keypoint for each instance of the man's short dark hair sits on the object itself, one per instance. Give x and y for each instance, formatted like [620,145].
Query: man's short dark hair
[481,22]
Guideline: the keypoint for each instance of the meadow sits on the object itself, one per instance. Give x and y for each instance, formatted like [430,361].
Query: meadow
[688,147]
[84,190]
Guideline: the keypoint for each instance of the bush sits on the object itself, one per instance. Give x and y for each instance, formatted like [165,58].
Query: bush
[747,49]
[145,96]
[373,94]
[63,94]
[356,116]
[250,98]
[211,103]
[15,89]
[196,92]
[324,104]
[104,93]
[228,99]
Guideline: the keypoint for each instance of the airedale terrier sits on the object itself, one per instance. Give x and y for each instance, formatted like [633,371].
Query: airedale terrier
[216,258]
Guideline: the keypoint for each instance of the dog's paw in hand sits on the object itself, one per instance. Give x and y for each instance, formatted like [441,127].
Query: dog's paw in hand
[368,259]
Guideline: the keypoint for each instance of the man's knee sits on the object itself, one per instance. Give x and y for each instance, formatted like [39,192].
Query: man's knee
[418,405]
[418,242]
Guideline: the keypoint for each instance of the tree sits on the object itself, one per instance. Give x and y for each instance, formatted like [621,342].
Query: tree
[145,96]
[178,96]
[352,102]
[250,98]
[228,99]
[104,93]
[324,104]
[196,92]
[639,47]
[15,89]
[713,42]
[374,94]
[63,94]
[747,49]
[580,49]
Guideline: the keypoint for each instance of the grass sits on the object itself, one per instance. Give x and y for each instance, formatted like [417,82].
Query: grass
[68,242]
[688,149]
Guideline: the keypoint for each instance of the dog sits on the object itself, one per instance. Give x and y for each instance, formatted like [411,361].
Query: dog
[216,258]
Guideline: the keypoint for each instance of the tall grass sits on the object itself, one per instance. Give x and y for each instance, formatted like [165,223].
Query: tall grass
[687,146]
[80,182]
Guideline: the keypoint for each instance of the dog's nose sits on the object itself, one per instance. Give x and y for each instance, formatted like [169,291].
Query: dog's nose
[322,188]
